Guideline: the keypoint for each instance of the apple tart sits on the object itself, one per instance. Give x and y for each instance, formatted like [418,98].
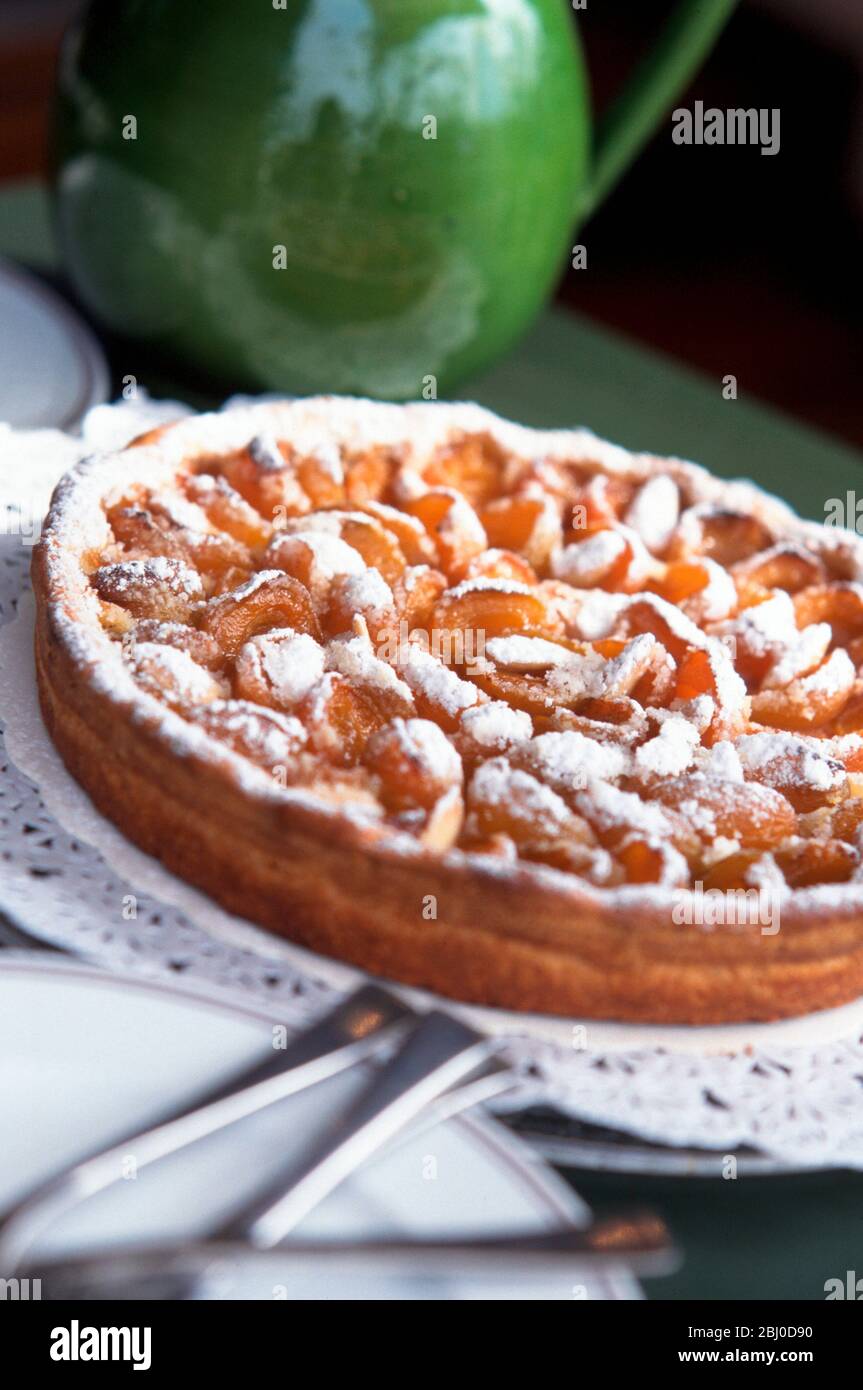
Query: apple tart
[515,715]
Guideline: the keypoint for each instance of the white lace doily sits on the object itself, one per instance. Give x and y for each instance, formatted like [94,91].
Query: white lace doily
[791,1090]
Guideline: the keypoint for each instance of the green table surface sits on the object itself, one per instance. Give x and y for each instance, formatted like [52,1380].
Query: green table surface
[750,1238]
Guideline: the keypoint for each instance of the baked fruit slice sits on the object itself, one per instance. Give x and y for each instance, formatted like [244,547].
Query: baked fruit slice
[517,716]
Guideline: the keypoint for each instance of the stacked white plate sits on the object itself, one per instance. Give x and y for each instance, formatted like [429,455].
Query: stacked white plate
[87,1057]
[52,369]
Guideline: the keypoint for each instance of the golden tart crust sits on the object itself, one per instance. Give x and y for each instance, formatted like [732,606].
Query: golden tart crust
[474,707]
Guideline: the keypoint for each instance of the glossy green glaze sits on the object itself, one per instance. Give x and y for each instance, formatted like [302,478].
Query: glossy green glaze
[345,195]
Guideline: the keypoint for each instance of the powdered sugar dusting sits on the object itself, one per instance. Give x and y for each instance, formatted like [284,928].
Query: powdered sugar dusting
[328,556]
[671,752]
[568,761]
[654,511]
[356,659]
[496,726]
[789,757]
[369,593]
[428,748]
[602,715]
[481,586]
[427,676]
[127,575]
[613,808]
[290,662]
[497,783]
[169,671]
[585,563]
[526,653]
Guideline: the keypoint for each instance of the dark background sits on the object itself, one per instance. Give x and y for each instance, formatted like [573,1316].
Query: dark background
[727,259]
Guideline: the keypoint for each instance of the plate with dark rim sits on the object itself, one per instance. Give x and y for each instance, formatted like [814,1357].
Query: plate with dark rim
[88,1056]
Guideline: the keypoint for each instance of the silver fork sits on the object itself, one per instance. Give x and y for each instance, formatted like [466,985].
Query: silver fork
[438,1055]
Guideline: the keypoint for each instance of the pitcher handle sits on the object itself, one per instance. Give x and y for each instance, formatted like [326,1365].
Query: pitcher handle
[634,115]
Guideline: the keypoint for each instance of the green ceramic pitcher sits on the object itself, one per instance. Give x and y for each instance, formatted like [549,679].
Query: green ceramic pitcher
[366,196]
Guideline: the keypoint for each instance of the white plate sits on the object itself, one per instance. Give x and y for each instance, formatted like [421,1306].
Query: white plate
[52,370]
[87,1057]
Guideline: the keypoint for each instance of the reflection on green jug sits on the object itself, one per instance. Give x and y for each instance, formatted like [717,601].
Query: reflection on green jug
[367,196]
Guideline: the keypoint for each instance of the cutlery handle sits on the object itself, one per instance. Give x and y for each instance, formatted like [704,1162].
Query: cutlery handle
[638,1240]
[439,1053]
[344,1037]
